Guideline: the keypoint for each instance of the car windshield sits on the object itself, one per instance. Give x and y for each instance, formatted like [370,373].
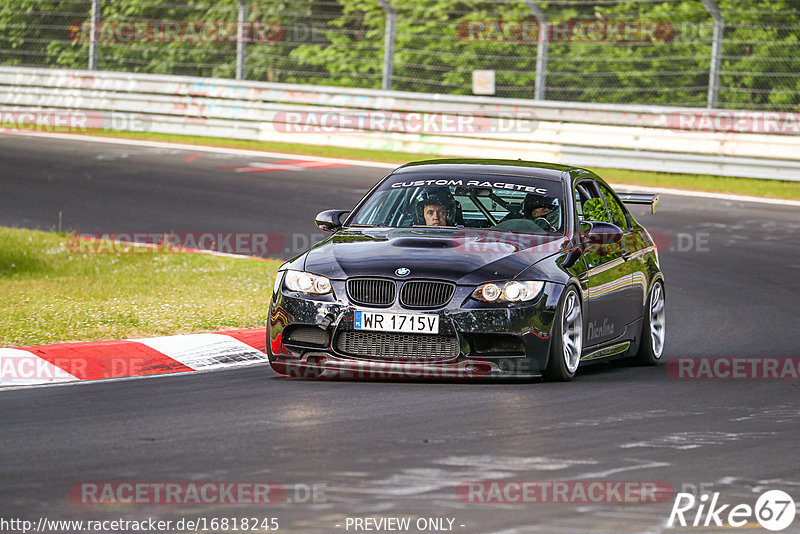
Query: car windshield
[504,203]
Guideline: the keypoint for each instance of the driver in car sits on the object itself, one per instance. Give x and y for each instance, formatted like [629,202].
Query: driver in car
[434,207]
[435,215]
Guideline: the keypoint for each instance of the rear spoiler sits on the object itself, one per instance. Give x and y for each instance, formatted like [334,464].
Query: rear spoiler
[650,199]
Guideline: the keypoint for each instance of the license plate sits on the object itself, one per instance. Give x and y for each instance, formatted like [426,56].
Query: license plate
[397,322]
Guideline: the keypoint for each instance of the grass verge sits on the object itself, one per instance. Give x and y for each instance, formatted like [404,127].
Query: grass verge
[52,294]
[693,182]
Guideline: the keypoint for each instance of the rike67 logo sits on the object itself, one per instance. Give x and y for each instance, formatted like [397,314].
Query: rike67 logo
[774,510]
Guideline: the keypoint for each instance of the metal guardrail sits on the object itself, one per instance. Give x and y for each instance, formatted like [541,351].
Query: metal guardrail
[629,137]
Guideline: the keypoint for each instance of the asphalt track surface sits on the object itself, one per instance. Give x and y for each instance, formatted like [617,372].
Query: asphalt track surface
[398,449]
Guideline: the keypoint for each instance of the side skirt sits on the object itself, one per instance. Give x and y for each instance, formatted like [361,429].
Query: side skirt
[625,345]
[607,352]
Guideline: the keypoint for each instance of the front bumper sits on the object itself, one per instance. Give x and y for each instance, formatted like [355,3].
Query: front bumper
[523,328]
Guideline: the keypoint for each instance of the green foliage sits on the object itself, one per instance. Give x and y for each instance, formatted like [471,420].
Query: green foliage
[340,42]
[35,32]
[53,293]
[595,210]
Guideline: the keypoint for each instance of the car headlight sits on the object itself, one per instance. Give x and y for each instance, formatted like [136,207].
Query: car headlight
[303,282]
[513,291]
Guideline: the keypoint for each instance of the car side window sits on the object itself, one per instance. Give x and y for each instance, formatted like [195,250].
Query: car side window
[595,202]
[614,208]
[582,196]
[589,203]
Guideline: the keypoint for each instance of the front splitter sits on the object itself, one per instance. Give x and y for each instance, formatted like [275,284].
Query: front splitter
[323,365]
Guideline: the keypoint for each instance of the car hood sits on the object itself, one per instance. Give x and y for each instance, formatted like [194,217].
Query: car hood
[465,256]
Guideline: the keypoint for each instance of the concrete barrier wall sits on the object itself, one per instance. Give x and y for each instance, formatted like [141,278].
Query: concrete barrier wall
[753,144]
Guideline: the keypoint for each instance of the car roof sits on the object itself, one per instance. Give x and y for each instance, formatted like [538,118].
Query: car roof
[506,167]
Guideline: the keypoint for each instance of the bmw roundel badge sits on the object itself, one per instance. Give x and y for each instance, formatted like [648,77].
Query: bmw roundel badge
[402,271]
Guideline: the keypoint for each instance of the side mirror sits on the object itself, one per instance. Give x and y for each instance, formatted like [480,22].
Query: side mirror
[330,220]
[600,233]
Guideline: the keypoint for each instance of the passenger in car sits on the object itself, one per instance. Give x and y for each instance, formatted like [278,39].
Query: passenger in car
[536,206]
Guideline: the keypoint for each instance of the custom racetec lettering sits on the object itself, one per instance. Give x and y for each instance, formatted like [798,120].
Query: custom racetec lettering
[510,186]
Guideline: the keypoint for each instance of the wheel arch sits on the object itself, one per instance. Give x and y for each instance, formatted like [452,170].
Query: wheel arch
[574,283]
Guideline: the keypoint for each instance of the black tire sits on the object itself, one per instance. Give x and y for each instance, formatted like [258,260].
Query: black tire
[651,345]
[558,369]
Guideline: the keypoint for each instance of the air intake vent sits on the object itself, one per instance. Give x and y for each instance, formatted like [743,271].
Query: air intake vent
[393,346]
[425,294]
[371,291]
[306,335]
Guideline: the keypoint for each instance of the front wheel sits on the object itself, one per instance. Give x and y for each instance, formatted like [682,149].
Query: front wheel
[567,339]
[654,327]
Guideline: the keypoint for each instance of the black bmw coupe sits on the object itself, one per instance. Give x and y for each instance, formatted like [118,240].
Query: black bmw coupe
[469,268]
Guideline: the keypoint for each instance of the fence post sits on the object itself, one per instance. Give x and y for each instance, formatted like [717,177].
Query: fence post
[388,44]
[93,20]
[241,43]
[541,49]
[716,52]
